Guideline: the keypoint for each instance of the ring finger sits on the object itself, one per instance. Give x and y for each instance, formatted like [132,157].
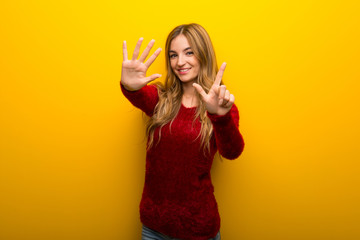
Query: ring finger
[137,49]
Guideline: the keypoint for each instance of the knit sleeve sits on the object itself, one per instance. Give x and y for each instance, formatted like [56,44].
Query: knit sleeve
[229,140]
[145,98]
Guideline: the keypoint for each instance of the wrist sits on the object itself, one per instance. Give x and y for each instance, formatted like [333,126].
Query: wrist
[127,87]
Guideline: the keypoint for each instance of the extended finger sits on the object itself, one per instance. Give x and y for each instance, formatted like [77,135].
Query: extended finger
[222,94]
[137,49]
[200,90]
[152,57]
[125,54]
[220,74]
[146,51]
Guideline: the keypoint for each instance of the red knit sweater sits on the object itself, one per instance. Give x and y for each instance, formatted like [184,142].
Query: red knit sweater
[178,196]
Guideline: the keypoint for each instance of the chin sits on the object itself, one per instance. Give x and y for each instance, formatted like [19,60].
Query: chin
[186,80]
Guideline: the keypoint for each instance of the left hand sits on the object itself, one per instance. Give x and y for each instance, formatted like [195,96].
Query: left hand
[218,100]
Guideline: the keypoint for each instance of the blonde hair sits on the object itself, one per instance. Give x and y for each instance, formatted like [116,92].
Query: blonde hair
[170,94]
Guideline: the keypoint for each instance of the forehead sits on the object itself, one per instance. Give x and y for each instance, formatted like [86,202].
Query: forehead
[180,43]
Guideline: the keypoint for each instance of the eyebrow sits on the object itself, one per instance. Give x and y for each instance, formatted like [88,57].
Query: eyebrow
[183,50]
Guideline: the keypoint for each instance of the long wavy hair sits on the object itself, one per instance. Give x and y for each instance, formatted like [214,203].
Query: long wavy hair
[170,93]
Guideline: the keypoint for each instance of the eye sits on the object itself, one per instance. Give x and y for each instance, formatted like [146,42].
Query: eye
[189,53]
[172,56]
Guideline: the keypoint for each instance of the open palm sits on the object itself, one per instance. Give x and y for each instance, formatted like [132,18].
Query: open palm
[133,72]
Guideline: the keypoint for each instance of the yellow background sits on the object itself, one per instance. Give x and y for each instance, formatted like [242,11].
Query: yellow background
[72,155]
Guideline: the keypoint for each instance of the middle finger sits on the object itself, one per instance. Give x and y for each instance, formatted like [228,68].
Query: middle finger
[146,51]
[222,94]
[226,97]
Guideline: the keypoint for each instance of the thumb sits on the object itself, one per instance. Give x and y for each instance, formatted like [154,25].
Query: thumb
[200,90]
[152,77]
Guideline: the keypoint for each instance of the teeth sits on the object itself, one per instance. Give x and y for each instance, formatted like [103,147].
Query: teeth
[183,70]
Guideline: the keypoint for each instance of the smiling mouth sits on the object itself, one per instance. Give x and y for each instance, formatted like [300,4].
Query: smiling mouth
[183,71]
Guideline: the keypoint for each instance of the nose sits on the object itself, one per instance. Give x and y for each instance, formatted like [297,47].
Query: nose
[181,60]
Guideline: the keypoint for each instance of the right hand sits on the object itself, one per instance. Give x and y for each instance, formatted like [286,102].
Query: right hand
[133,72]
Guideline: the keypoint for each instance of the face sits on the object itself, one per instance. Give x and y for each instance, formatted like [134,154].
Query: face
[182,60]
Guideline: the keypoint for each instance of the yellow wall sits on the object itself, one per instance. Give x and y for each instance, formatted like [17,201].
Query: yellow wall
[71,146]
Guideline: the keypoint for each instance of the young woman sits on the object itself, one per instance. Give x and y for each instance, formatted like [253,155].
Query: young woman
[192,116]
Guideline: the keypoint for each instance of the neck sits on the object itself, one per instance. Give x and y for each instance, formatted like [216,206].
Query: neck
[189,97]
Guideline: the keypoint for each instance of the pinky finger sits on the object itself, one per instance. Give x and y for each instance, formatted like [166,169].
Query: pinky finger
[231,101]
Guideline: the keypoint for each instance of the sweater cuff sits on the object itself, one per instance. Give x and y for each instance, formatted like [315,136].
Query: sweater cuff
[220,119]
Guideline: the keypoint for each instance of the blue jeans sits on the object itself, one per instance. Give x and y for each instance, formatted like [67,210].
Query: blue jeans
[149,234]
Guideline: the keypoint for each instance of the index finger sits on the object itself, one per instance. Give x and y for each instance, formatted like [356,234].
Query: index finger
[220,74]
[125,54]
